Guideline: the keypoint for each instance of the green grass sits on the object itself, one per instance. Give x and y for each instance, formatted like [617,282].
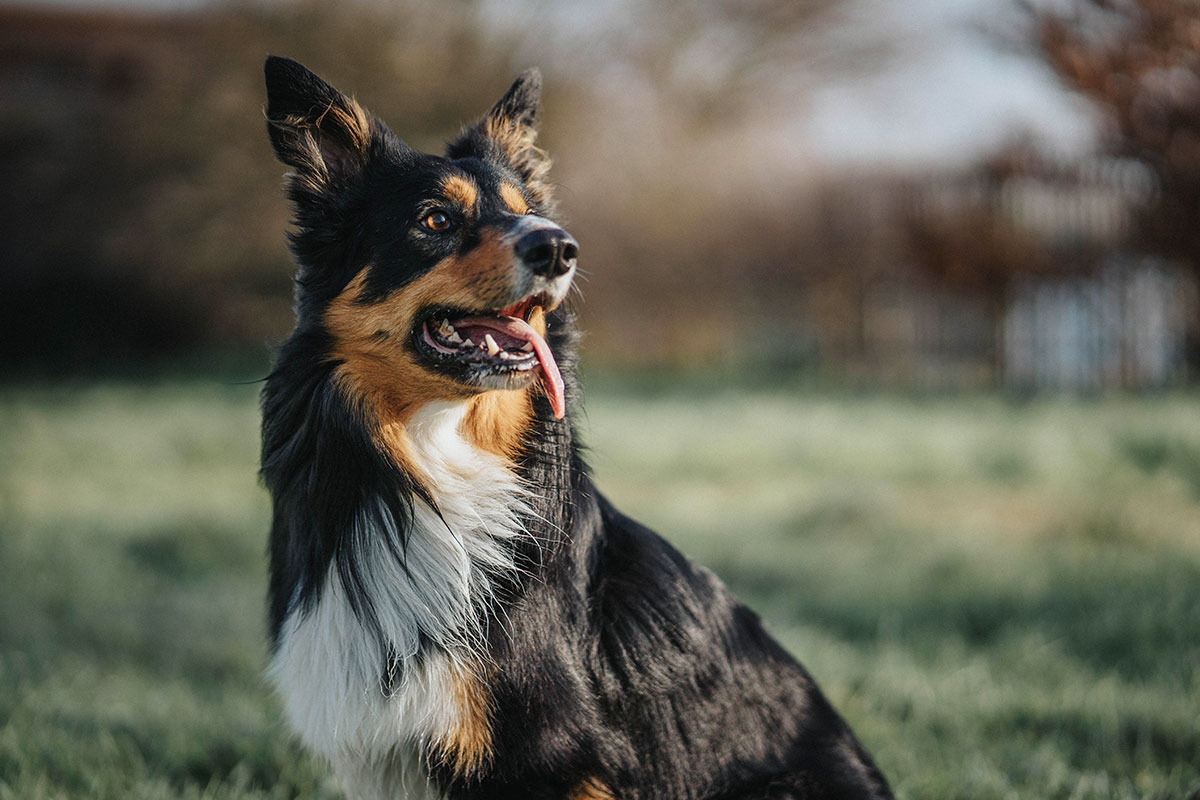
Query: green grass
[1003,599]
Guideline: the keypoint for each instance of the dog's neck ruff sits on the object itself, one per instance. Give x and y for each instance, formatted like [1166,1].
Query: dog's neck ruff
[352,685]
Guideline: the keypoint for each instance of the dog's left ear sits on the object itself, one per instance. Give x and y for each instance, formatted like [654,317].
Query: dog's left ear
[314,128]
[509,131]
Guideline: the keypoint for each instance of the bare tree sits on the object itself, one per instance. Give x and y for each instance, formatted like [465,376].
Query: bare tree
[1139,62]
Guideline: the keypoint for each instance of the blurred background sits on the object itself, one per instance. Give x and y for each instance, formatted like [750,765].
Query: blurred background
[892,318]
[920,195]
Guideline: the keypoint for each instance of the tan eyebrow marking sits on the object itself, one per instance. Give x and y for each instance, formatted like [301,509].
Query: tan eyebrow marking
[513,198]
[461,190]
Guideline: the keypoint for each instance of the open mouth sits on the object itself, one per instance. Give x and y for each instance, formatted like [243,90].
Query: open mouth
[492,349]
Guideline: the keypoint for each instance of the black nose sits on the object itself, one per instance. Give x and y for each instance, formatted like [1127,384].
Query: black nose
[549,252]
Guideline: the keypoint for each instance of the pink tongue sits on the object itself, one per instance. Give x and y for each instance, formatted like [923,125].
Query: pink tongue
[522,331]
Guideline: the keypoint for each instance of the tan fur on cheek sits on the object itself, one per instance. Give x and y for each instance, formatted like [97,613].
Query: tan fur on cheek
[480,279]
[378,367]
[379,371]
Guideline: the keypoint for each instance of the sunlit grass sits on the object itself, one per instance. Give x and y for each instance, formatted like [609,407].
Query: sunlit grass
[1003,599]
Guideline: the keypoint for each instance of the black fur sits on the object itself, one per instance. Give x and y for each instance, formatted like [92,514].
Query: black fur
[617,661]
[321,469]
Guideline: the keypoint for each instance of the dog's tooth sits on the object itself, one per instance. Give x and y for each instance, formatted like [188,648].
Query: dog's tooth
[527,347]
[492,347]
[468,343]
[445,329]
[454,337]
[505,354]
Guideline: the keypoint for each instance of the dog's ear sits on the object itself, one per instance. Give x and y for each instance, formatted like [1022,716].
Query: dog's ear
[314,128]
[509,131]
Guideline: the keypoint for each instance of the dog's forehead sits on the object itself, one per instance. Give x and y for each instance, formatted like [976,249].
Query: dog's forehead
[478,179]
[468,182]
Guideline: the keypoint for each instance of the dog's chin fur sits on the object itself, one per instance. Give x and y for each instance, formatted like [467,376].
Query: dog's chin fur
[455,609]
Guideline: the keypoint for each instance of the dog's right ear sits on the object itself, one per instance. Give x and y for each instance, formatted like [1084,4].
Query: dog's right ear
[314,128]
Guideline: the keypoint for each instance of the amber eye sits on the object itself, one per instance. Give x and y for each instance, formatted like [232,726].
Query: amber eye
[436,221]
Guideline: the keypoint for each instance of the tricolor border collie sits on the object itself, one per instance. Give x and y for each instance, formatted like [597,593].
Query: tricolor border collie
[455,610]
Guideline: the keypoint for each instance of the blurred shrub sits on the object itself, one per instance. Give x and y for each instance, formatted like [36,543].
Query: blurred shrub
[144,217]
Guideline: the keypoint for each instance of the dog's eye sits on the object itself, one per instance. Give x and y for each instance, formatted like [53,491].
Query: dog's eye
[530,212]
[437,221]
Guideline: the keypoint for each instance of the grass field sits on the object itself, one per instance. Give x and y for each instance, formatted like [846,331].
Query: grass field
[1003,599]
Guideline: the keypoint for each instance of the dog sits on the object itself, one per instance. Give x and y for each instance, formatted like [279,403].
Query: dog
[455,610]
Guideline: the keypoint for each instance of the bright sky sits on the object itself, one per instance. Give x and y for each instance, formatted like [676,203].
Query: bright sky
[953,94]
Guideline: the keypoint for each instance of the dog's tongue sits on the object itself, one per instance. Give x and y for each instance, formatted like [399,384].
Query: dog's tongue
[522,331]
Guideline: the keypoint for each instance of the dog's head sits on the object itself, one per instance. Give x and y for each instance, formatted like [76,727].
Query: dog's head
[431,275]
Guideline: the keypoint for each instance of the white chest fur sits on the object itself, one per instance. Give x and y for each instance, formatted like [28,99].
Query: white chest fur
[328,665]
